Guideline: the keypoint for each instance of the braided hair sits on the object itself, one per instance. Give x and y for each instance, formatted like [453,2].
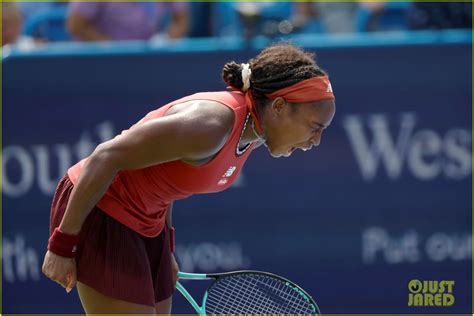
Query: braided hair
[276,67]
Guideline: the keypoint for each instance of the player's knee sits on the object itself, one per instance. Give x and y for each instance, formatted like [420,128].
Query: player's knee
[164,307]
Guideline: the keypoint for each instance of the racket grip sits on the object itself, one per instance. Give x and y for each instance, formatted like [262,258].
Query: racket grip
[172,243]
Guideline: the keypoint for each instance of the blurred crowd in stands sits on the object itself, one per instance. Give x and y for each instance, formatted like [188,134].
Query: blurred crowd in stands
[27,23]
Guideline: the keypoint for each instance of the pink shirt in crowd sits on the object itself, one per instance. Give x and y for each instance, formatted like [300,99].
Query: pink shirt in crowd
[126,20]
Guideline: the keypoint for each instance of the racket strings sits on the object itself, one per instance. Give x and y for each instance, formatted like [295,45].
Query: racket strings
[260,301]
[256,294]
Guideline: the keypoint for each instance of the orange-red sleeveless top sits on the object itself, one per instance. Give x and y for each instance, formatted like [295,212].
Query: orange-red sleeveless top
[139,198]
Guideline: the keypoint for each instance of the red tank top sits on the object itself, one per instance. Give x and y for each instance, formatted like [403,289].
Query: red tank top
[139,198]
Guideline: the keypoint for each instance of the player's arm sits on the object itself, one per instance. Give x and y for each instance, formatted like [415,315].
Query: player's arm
[196,133]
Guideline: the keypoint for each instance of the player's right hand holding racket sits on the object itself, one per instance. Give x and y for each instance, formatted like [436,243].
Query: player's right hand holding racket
[60,269]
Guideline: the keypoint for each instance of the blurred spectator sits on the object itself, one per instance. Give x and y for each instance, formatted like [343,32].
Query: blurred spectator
[96,21]
[440,15]
[376,6]
[11,26]
[335,17]
[11,23]
[29,8]
[250,19]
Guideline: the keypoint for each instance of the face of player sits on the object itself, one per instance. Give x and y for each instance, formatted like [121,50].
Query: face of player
[291,126]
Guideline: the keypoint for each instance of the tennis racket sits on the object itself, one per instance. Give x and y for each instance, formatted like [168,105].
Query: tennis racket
[249,292]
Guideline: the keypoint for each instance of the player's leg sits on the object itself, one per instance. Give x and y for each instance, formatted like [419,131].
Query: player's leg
[164,307]
[94,302]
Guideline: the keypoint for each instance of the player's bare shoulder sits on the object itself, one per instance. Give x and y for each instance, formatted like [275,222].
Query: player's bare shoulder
[205,115]
[205,108]
[208,122]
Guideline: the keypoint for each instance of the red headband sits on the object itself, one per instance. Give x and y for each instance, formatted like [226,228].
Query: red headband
[309,90]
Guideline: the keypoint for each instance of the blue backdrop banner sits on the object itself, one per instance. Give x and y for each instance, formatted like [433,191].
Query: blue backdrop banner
[384,200]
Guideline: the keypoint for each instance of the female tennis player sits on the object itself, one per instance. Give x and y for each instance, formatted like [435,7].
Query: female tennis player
[110,230]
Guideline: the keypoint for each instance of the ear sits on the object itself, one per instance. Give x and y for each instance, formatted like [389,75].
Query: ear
[279,106]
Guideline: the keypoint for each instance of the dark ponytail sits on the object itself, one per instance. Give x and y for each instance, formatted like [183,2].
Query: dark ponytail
[232,75]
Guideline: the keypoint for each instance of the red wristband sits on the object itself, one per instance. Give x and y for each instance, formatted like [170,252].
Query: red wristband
[172,244]
[62,244]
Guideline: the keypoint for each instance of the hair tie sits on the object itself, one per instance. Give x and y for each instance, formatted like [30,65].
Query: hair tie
[246,73]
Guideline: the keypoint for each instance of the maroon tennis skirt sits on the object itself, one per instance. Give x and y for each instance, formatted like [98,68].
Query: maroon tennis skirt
[115,260]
